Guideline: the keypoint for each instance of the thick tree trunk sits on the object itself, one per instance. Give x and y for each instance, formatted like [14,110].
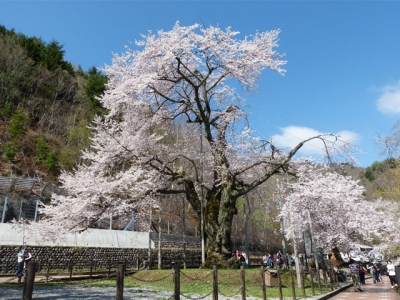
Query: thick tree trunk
[218,224]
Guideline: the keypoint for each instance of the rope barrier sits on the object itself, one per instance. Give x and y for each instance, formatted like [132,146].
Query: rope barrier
[192,278]
[154,280]
[237,293]
[225,275]
[203,297]
[50,278]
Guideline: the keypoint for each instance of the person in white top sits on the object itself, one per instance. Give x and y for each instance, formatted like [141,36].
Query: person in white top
[391,273]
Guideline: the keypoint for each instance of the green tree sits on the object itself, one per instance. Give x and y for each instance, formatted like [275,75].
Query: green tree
[95,86]
[19,120]
[15,70]
[51,161]
[11,149]
[42,150]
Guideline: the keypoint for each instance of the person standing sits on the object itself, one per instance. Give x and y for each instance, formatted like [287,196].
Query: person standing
[355,275]
[279,260]
[28,257]
[391,273]
[271,260]
[301,259]
[378,273]
[237,254]
[374,272]
[292,260]
[243,259]
[265,260]
[21,260]
[362,271]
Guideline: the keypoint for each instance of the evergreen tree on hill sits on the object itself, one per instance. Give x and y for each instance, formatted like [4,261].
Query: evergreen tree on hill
[59,103]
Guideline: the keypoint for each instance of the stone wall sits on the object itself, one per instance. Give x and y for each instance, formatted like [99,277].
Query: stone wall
[60,258]
[176,241]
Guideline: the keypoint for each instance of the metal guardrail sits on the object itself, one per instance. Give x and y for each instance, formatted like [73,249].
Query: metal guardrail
[17,199]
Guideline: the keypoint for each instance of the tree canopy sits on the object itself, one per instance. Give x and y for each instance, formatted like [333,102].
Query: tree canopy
[55,100]
[174,127]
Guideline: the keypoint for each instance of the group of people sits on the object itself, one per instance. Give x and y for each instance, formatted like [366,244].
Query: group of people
[271,261]
[242,257]
[23,257]
[375,273]
[358,272]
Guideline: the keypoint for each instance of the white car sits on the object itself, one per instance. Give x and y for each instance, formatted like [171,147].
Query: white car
[364,258]
[355,256]
[345,257]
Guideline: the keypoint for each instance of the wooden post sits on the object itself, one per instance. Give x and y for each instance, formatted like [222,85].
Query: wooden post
[177,283]
[280,283]
[293,285]
[303,288]
[70,267]
[242,276]
[29,282]
[337,279]
[331,279]
[319,281]
[312,281]
[91,268]
[325,280]
[264,291]
[120,281]
[109,268]
[215,282]
[159,262]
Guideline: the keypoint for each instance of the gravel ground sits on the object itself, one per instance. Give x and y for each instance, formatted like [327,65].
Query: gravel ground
[81,292]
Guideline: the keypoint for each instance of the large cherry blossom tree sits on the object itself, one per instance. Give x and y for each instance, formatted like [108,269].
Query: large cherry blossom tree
[333,206]
[148,144]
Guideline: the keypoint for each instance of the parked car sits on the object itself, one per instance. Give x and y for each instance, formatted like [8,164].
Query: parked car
[354,255]
[364,258]
[345,257]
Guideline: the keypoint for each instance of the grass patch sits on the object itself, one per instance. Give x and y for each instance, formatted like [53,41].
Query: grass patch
[200,282]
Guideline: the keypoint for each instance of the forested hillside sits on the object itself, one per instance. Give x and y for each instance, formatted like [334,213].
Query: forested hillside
[46,104]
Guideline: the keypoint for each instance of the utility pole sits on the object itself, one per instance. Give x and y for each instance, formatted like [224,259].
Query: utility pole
[150,224]
[184,232]
[203,254]
[246,234]
[159,235]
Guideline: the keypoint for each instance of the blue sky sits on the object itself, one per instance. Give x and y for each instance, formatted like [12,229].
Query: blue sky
[343,70]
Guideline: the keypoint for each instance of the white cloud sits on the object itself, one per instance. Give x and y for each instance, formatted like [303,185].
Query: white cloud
[389,101]
[292,135]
